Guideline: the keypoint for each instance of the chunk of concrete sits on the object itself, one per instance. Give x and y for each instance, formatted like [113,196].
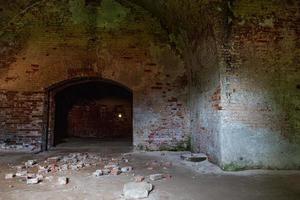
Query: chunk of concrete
[126,169]
[30,163]
[9,176]
[62,180]
[32,180]
[98,173]
[156,177]
[135,190]
[21,174]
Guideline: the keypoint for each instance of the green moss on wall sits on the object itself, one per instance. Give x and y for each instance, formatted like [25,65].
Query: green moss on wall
[111,14]
[247,9]
[79,11]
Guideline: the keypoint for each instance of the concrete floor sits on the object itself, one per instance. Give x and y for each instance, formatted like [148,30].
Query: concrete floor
[190,181]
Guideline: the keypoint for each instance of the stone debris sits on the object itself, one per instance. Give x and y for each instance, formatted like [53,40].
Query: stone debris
[30,163]
[156,177]
[32,180]
[43,170]
[98,173]
[194,157]
[115,171]
[126,169]
[22,174]
[62,180]
[31,175]
[35,172]
[9,176]
[134,190]
[106,171]
[139,178]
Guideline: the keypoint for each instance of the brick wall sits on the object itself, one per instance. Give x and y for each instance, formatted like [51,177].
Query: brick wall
[21,120]
[131,49]
[260,99]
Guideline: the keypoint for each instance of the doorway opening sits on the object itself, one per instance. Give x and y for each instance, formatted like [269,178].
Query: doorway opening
[87,111]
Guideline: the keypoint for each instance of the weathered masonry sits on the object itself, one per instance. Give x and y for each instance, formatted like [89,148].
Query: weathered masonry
[218,77]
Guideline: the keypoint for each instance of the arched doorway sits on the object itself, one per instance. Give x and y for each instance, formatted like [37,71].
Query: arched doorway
[88,108]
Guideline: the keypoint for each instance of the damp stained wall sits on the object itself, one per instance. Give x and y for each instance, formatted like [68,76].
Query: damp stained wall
[243,63]
[260,86]
[46,42]
[237,60]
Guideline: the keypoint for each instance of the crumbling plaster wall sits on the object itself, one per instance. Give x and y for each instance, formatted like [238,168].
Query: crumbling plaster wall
[45,42]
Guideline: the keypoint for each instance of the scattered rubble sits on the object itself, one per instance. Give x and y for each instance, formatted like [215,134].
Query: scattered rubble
[134,190]
[34,172]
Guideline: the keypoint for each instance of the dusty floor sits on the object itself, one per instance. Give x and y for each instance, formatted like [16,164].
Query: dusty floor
[189,181]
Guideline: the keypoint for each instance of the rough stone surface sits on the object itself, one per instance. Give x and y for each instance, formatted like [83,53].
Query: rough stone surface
[98,173]
[156,177]
[32,180]
[244,90]
[135,190]
[126,169]
[129,47]
[9,176]
[62,180]
[221,77]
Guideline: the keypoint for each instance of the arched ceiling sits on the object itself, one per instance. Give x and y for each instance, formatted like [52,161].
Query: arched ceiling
[187,23]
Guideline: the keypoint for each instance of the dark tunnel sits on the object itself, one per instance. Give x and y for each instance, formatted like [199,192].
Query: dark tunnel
[93,110]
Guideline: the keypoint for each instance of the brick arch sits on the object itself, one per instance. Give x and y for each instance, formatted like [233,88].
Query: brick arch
[50,103]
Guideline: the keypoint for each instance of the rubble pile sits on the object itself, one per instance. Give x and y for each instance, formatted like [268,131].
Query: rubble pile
[49,169]
[34,172]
